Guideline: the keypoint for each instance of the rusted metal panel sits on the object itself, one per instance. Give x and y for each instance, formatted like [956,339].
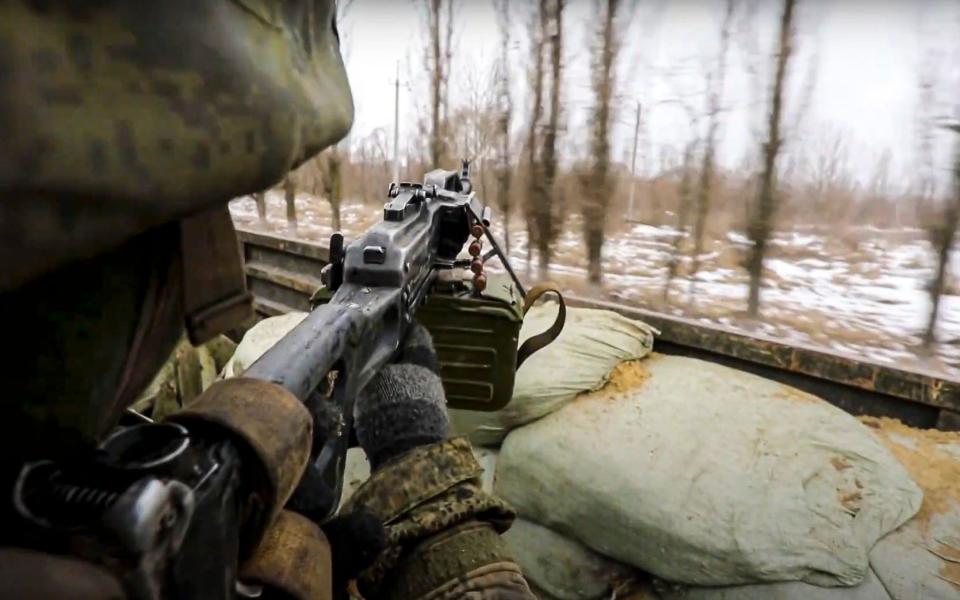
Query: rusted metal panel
[282,273]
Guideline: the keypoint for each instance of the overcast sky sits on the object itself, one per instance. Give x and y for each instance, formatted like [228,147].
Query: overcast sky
[861,58]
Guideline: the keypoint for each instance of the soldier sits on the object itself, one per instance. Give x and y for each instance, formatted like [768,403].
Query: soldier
[127,126]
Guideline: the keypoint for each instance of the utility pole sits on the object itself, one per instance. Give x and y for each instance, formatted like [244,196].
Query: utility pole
[396,126]
[633,165]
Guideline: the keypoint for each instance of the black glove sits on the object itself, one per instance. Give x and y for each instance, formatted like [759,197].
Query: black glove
[404,406]
[355,538]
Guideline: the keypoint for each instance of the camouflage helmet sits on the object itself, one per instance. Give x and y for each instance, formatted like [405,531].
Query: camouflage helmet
[117,116]
[126,127]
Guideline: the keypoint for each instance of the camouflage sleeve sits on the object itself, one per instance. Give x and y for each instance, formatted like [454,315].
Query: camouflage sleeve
[443,530]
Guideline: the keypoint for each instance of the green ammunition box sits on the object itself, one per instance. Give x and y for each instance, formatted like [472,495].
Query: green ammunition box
[475,337]
[476,340]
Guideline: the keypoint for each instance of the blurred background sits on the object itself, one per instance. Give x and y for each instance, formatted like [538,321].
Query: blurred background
[787,168]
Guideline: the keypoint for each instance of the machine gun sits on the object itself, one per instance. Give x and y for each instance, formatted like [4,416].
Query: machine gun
[158,499]
[408,268]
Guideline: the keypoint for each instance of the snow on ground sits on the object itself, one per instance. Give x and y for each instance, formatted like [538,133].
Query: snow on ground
[861,293]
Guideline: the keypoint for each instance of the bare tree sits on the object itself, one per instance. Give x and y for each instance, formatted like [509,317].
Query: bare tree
[504,111]
[761,220]
[943,234]
[548,223]
[924,184]
[329,165]
[596,196]
[753,64]
[261,199]
[829,165]
[290,196]
[879,190]
[685,207]
[437,61]
[543,207]
[538,34]
[715,84]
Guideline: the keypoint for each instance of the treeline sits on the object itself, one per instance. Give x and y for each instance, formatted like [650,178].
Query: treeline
[516,142]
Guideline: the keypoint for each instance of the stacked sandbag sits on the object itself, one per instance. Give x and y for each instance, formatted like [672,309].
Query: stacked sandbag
[869,589]
[356,470]
[655,479]
[591,344]
[704,475]
[557,567]
[260,338]
[922,558]
[562,568]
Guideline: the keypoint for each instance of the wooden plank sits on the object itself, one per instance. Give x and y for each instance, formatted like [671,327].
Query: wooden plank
[299,282]
[284,244]
[269,308]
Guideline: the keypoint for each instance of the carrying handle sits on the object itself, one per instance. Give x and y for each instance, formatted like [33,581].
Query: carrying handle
[542,340]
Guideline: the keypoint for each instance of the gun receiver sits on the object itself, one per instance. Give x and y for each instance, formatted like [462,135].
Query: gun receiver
[378,281]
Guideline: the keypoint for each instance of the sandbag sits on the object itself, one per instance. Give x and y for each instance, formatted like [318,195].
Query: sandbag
[356,471]
[488,462]
[921,559]
[260,338]
[558,567]
[591,344]
[563,568]
[705,475]
[869,589]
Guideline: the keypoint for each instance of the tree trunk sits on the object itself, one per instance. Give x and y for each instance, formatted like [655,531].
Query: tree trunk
[544,254]
[547,204]
[530,242]
[504,116]
[761,220]
[705,187]
[335,215]
[438,60]
[683,216]
[702,212]
[261,199]
[330,163]
[597,195]
[594,240]
[290,195]
[335,195]
[532,201]
[943,235]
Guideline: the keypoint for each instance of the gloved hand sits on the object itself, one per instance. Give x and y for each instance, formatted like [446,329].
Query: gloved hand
[442,528]
[404,405]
